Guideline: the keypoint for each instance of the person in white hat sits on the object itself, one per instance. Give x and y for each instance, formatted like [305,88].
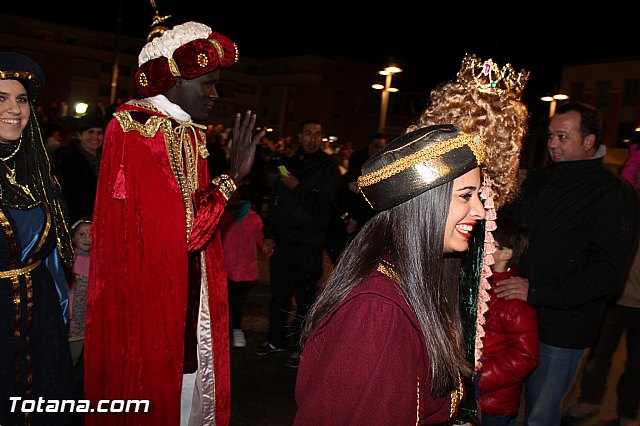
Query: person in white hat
[157,315]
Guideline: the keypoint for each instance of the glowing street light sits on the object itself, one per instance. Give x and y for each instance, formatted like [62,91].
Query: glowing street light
[553,99]
[81,108]
[388,72]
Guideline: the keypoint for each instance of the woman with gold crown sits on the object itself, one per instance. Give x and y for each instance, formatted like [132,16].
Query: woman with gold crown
[485,98]
[35,362]
[386,342]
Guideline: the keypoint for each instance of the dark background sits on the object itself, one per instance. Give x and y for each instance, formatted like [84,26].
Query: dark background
[426,38]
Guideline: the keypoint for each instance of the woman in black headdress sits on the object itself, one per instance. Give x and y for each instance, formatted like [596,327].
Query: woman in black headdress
[35,249]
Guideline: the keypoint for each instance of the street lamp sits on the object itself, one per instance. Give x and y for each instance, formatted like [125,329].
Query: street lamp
[80,108]
[553,99]
[388,72]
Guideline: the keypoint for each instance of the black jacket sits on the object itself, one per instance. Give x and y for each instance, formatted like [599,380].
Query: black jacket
[302,215]
[583,223]
[78,180]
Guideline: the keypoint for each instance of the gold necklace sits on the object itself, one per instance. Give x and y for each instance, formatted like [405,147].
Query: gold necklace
[13,154]
[387,269]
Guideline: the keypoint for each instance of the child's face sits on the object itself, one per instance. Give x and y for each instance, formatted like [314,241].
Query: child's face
[82,237]
[502,254]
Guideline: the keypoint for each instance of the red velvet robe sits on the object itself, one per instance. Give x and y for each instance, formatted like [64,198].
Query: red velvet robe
[139,274]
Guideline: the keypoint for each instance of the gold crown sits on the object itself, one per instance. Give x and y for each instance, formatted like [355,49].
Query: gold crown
[488,77]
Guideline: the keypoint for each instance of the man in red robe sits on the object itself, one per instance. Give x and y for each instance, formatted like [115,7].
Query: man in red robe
[157,316]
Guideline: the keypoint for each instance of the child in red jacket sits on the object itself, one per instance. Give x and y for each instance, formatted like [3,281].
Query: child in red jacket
[511,340]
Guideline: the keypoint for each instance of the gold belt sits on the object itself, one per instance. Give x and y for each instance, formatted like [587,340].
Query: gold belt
[14,273]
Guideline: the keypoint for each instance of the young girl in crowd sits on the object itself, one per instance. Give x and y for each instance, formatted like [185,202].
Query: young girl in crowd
[81,236]
[241,232]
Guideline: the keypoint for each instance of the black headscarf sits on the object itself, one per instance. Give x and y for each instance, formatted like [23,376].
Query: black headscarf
[26,179]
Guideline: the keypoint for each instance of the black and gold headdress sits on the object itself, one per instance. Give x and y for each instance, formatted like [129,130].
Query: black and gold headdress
[416,162]
[16,66]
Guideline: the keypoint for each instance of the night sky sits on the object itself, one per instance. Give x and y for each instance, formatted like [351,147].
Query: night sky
[428,38]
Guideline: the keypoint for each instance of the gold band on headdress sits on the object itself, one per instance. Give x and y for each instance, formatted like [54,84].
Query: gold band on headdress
[18,74]
[473,142]
[24,75]
[417,162]
[173,67]
[218,47]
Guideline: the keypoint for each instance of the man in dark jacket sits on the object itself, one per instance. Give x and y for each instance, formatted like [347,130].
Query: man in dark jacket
[78,166]
[583,230]
[301,205]
[353,209]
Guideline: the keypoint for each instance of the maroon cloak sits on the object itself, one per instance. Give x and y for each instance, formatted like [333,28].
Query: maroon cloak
[144,283]
[367,363]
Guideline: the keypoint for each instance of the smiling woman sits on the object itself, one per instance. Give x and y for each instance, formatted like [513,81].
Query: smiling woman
[484,98]
[34,248]
[388,317]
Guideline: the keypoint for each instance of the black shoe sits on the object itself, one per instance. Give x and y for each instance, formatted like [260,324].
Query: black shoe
[266,348]
[294,360]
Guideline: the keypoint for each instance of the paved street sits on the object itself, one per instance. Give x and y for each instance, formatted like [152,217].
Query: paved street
[262,387]
[608,410]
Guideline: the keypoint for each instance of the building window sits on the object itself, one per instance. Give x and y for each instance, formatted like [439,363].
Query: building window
[631,92]
[625,134]
[603,90]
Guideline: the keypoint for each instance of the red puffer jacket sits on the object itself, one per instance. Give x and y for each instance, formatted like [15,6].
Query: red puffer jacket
[510,352]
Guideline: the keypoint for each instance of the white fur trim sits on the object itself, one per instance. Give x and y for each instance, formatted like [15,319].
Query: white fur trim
[169,108]
[171,39]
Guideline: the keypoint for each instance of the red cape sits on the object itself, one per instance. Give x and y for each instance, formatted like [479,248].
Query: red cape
[138,280]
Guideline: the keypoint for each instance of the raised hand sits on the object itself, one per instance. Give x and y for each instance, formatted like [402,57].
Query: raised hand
[243,145]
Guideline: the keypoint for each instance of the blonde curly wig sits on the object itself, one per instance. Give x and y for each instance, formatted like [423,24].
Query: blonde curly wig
[501,120]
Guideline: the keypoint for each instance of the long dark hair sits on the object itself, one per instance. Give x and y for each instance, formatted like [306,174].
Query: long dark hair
[411,237]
